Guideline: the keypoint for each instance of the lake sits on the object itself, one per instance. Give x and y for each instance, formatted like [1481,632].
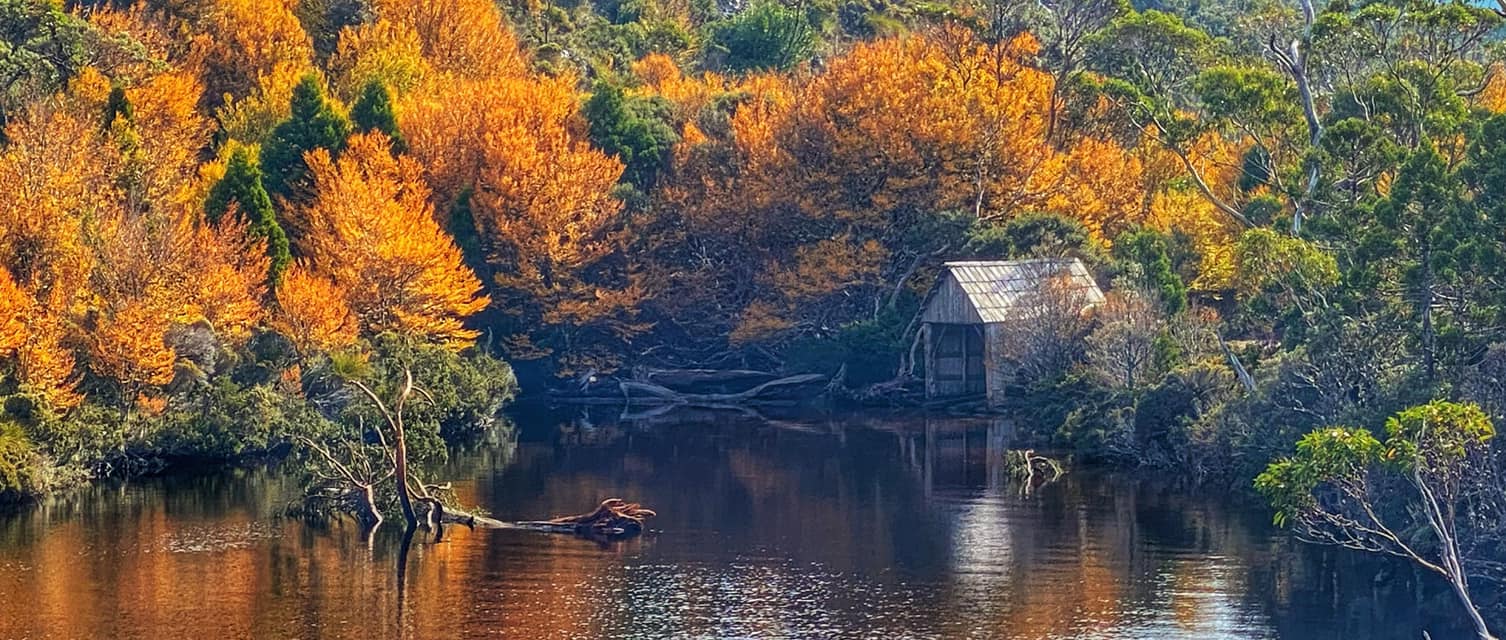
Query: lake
[860,526]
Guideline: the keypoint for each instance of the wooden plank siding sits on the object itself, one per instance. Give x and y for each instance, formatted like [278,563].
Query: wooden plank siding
[949,304]
[956,360]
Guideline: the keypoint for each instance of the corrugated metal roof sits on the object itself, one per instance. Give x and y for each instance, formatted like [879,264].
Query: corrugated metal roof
[994,287]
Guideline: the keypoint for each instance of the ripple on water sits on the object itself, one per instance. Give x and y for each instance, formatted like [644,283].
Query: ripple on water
[216,537]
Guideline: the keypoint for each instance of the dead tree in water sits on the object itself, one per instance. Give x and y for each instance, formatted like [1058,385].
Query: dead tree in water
[399,452]
[351,473]
[1032,469]
[613,518]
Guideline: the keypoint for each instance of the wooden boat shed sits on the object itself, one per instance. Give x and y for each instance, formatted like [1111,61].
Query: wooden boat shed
[966,311]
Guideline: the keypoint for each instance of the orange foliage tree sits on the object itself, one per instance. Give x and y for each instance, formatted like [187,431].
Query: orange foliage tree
[466,38]
[247,39]
[13,307]
[508,153]
[371,229]
[312,312]
[814,202]
[102,241]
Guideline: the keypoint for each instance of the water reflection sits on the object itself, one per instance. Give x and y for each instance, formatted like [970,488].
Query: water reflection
[860,526]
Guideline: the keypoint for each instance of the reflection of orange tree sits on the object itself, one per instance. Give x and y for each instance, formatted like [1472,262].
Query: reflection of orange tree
[170,556]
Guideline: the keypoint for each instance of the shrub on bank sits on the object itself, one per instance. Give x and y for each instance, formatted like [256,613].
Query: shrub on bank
[464,392]
[253,408]
[225,421]
[20,465]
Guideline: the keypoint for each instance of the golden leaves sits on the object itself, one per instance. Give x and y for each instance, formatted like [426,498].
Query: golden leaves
[383,50]
[127,345]
[541,197]
[250,39]
[43,363]
[1492,97]
[14,307]
[220,276]
[54,172]
[312,312]
[1212,233]
[465,38]
[371,229]
[1103,186]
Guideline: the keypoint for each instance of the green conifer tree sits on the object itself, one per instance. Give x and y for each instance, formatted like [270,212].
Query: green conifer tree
[313,124]
[242,186]
[117,106]
[372,111]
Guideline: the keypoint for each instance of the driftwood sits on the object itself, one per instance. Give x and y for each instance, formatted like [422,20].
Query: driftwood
[613,519]
[771,391]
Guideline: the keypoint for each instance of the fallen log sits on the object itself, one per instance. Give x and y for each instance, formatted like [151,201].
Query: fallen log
[613,519]
[772,391]
[707,380]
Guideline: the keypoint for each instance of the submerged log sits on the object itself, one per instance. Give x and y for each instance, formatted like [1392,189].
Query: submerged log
[613,519]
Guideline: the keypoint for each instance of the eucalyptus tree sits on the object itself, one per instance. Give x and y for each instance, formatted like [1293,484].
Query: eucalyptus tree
[1342,485]
[1381,76]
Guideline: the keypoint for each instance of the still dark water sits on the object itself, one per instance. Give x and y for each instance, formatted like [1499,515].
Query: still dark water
[861,527]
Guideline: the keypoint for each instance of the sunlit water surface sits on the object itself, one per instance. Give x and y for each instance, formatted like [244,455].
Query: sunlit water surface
[858,527]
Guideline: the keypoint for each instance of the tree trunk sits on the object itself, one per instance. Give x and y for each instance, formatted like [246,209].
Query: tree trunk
[400,465]
[647,393]
[370,517]
[1429,339]
[1461,591]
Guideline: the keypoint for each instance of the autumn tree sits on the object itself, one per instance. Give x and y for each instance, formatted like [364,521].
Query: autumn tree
[45,363]
[465,38]
[372,231]
[13,303]
[32,335]
[128,347]
[893,149]
[381,51]
[218,274]
[247,39]
[540,198]
[312,313]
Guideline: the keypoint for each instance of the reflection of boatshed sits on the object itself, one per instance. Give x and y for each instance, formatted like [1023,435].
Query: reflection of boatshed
[967,310]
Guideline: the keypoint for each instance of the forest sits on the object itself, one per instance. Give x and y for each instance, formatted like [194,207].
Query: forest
[213,213]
